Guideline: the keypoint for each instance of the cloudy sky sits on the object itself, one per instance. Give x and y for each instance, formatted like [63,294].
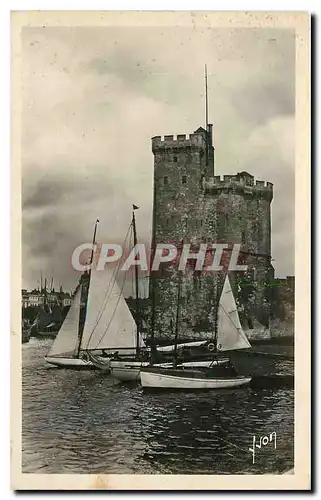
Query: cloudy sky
[93,98]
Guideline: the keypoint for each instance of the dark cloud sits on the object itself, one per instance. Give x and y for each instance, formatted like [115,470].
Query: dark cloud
[54,189]
[93,98]
[258,104]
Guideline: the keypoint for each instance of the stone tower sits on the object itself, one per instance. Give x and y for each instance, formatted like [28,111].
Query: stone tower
[192,206]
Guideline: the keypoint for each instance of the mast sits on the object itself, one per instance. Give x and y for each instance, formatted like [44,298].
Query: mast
[136,287]
[80,331]
[52,280]
[219,290]
[177,319]
[206,116]
[152,273]
[216,306]
[206,100]
[45,302]
[177,311]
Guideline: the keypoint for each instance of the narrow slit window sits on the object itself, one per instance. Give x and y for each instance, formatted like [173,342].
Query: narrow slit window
[184,179]
[165,180]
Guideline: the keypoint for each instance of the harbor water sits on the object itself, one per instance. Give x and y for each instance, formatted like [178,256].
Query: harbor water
[85,422]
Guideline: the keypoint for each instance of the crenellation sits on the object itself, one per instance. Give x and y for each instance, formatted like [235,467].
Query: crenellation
[177,141]
[250,185]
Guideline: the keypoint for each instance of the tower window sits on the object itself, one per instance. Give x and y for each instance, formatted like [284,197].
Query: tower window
[184,179]
[175,159]
[166,180]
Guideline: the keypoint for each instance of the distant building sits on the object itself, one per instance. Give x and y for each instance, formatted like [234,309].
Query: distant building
[286,291]
[283,307]
[37,298]
[33,298]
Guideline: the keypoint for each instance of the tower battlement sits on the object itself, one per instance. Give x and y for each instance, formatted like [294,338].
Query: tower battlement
[178,141]
[243,183]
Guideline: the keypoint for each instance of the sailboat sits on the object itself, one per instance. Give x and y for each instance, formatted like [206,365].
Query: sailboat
[107,325]
[127,368]
[228,336]
[49,318]
[65,351]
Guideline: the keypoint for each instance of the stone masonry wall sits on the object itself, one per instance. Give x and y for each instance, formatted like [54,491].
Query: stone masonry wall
[192,206]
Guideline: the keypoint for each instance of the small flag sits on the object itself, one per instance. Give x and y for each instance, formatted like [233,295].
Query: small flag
[135,207]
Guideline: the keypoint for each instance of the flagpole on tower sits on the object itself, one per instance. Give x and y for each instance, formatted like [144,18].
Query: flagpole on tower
[206,100]
[206,117]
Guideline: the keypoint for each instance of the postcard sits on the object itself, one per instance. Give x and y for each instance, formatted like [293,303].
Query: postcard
[160,216]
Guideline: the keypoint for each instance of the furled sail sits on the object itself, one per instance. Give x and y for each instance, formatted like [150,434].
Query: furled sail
[230,334]
[109,323]
[65,343]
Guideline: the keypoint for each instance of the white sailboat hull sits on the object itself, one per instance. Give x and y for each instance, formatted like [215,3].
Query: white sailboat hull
[127,371]
[69,362]
[130,371]
[195,364]
[165,381]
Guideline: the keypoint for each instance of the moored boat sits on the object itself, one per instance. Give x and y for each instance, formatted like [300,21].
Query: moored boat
[69,362]
[64,351]
[164,378]
[228,335]
[129,371]
[25,333]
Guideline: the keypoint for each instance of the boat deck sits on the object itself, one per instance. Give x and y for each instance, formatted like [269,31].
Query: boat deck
[206,373]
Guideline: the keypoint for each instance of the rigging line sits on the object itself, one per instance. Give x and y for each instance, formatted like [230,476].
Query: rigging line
[108,291]
[110,288]
[227,314]
[232,444]
[107,296]
[132,271]
[120,294]
[112,317]
[126,272]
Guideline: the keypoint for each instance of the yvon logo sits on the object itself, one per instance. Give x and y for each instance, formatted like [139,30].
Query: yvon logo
[263,441]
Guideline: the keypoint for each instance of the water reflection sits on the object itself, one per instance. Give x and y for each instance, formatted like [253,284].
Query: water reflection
[85,423]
